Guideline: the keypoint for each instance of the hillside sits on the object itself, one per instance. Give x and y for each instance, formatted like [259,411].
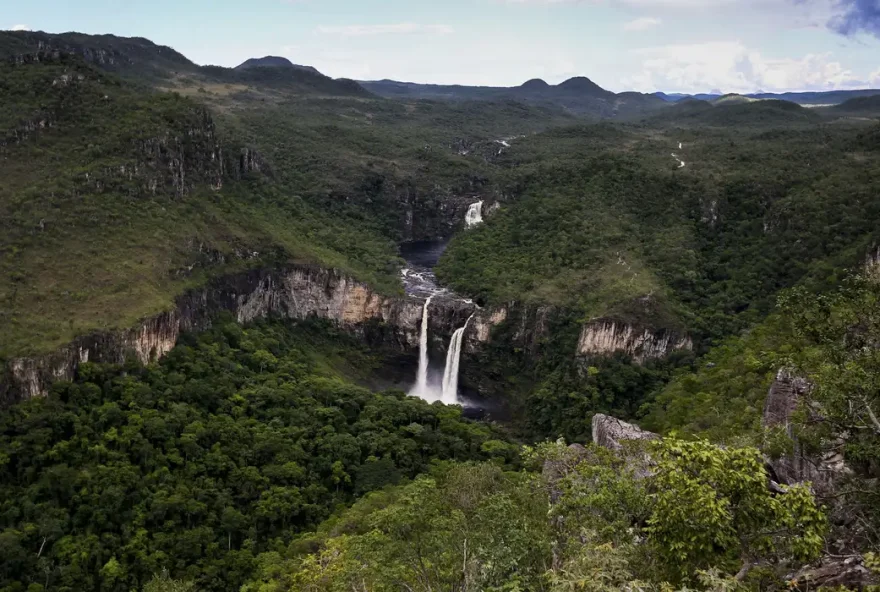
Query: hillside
[735,111]
[869,106]
[142,61]
[115,199]
[607,219]
[578,95]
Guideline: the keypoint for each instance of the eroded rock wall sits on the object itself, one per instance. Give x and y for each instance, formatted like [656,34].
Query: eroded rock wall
[606,337]
[821,468]
[296,292]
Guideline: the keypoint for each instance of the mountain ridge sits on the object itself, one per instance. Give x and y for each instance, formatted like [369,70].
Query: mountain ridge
[273,62]
[140,60]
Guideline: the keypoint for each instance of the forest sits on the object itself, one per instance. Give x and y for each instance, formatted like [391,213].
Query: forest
[237,441]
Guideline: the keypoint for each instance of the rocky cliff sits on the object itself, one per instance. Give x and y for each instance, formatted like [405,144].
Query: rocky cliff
[610,432]
[526,326]
[604,337]
[823,468]
[296,292]
[174,156]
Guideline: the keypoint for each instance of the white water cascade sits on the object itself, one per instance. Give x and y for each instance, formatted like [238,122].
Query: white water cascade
[453,357]
[474,214]
[421,389]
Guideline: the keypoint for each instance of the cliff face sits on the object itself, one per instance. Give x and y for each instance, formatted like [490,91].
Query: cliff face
[822,469]
[605,337]
[178,161]
[527,326]
[422,212]
[297,292]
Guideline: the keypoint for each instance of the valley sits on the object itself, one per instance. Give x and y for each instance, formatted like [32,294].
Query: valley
[263,330]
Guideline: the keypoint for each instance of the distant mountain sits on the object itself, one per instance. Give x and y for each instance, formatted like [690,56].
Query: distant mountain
[737,111]
[535,84]
[274,62]
[732,98]
[578,95]
[859,106]
[130,57]
[583,85]
[143,61]
[832,97]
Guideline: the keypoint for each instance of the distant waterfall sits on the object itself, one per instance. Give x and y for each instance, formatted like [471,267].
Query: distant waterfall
[474,214]
[453,356]
[421,389]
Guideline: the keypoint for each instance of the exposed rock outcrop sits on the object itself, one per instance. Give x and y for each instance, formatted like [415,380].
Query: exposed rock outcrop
[604,337]
[831,572]
[823,468]
[525,326]
[481,327]
[610,432]
[180,160]
[45,52]
[296,292]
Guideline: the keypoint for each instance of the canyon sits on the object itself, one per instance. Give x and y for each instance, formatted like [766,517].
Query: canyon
[299,292]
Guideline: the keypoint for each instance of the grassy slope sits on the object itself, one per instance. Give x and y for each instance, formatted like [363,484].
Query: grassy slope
[75,258]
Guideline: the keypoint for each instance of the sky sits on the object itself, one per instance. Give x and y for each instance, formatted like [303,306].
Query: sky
[644,45]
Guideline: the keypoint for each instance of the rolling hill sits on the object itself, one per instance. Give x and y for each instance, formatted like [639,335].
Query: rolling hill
[144,62]
[578,95]
[814,98]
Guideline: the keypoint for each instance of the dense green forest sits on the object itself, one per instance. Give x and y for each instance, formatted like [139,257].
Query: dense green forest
[237,441]
[473,526]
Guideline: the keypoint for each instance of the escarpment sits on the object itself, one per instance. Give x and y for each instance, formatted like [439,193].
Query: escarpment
[172,148]
[293,292]
[605,336]
[180,160]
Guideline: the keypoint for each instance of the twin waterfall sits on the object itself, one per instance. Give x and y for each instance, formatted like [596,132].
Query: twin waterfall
[448,392]
[421,282]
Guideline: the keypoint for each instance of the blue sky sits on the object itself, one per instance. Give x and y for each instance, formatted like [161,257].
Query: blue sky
[645,45]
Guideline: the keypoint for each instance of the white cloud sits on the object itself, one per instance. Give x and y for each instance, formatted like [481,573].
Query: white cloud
[394,29]
[642,24]
[733,67]
[20,28]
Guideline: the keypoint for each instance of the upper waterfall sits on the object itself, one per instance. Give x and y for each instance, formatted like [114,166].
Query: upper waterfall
[474,214]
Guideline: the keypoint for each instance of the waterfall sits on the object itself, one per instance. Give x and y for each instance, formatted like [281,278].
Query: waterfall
[453,356]
[421,389]
[474,214]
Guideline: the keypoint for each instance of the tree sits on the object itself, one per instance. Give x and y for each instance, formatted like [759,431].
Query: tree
[712,508]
